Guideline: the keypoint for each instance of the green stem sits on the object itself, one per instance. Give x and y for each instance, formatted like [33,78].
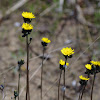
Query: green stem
[93,86]
[59,82]
[42,73]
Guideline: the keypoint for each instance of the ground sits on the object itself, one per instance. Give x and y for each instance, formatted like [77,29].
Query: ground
[62,31]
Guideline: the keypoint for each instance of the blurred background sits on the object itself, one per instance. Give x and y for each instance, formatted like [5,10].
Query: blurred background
[67,23]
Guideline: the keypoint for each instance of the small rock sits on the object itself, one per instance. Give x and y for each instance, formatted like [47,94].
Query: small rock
[74,83]
[63,88]
[68,41]
[17,24]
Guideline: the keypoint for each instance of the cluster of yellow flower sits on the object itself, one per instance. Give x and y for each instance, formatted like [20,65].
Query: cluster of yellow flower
[26,27]
[67,52]
[92,68]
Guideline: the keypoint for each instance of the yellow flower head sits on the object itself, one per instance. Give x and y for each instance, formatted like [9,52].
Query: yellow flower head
[83,78]
[67,64]
[46,40]
[28,15]
[67,51]
[26,26]
[96,63]
[88,66]
[61,62]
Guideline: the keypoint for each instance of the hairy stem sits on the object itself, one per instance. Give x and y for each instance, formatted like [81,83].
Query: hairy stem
[64,79]
[42,73]
[19,84]
[82,92]
[59,82]
[27,80]
[93,86]
[64,85]
[79,96]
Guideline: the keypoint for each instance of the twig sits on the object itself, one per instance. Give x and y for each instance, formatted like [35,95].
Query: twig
[13,8]
[48,9]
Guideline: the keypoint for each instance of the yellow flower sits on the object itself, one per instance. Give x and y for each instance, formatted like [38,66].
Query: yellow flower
[28,15]
[93,62]
[61,62]
[26,26]
[88,66]
[67,64]
[67,51]
[46,40]
[83,78]
[96,63]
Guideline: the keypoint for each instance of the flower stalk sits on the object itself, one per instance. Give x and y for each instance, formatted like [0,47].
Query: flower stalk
[67,52]
[59,83]
[27,78]
[26,30]
[64,85]
[93,85]
[20,63]
[44,43]
[18,84]
[42,72]
[83,83]
[64,78]
[15,94]
[81,94]
[63,65]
